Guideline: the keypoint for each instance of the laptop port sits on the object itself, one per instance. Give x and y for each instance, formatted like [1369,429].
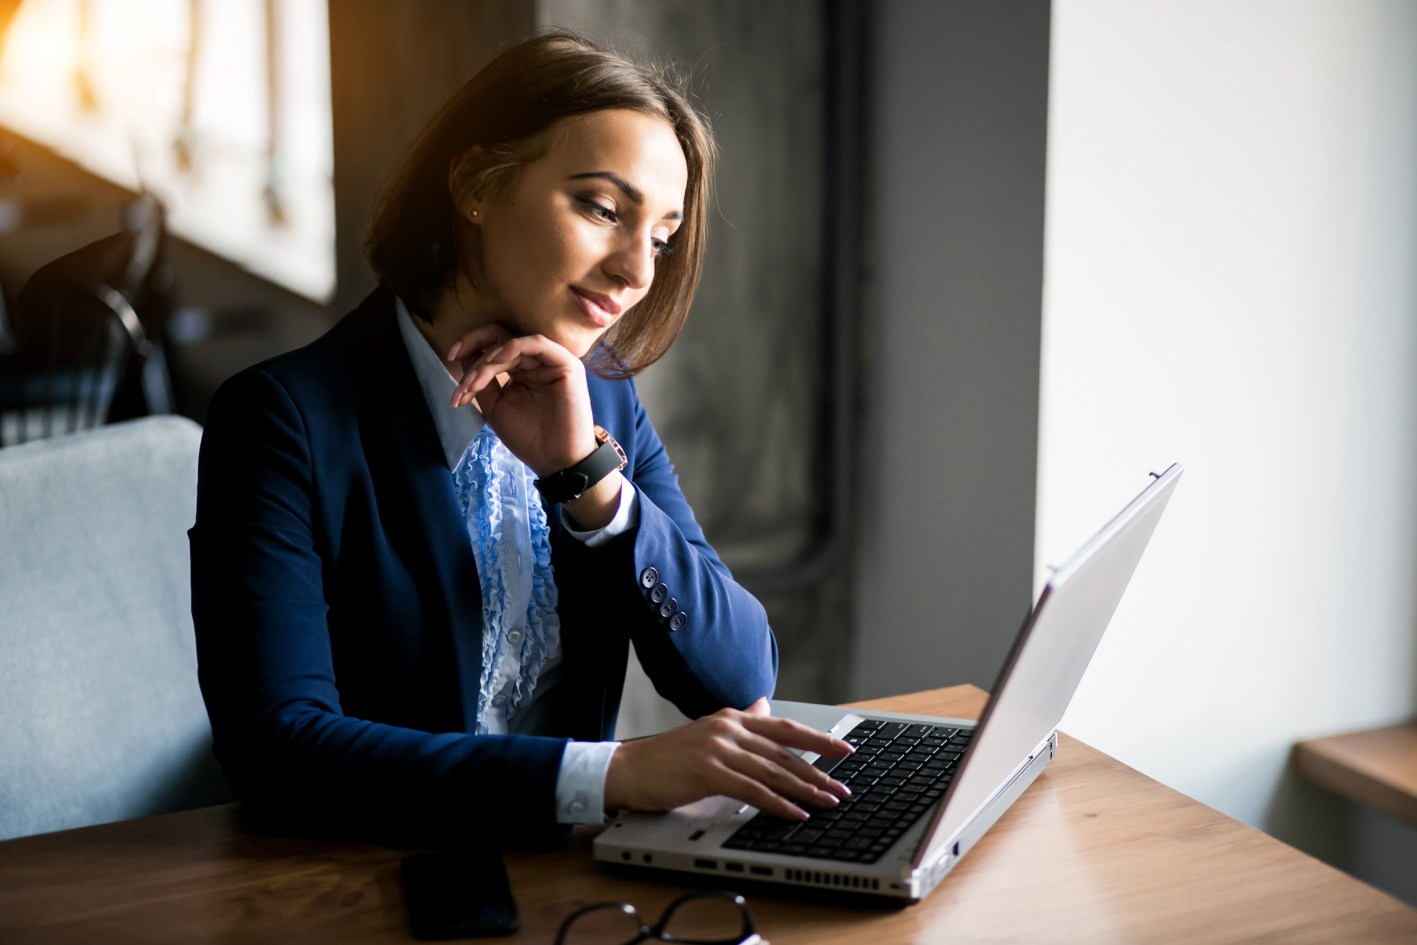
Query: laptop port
[696,834]
[760,870]
[706,864]
[733,867]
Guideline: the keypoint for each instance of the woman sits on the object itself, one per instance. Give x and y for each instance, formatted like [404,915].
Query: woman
[424,542]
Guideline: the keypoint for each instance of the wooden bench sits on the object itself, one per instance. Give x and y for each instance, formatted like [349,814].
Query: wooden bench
[1377,768]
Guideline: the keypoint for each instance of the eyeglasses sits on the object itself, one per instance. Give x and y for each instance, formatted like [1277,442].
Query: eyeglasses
[712,917]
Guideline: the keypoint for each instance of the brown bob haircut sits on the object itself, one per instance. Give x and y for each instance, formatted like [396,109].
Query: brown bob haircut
[417,242]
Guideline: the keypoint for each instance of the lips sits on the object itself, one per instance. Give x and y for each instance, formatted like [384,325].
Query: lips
[600,309]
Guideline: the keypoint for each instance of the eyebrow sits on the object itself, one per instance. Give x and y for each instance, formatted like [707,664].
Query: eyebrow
[629,189]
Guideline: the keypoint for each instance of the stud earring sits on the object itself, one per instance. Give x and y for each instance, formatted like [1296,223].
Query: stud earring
[474,213]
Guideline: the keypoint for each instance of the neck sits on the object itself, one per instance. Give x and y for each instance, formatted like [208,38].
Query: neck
[456,311]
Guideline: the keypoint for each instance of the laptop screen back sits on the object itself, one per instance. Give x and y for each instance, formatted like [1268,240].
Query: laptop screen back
[1049,658]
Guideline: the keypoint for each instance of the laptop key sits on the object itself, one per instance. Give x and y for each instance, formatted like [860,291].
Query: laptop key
[819,851]
[793,849]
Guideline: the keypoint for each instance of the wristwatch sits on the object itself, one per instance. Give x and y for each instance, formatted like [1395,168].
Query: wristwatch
[571,483]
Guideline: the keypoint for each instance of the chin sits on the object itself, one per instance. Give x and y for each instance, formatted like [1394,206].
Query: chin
[578,343]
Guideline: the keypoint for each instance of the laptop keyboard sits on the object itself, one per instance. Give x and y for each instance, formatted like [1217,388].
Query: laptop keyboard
[897,772]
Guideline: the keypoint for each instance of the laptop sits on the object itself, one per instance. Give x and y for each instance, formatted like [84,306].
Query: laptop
[924,789]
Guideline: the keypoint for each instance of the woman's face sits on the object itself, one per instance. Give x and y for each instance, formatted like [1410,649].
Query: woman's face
[573,245]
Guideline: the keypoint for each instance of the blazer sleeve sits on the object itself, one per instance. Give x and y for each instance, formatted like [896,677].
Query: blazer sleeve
[267,672]
[714,648]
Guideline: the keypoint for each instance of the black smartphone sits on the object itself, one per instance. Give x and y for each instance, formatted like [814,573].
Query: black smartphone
[458,894]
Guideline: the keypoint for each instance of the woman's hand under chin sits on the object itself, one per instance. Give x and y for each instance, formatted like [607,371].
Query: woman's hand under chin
[542,413]
[743,755]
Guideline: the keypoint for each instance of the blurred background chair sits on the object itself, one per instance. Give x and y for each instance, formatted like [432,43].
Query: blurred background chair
[85,344]
[101,717]
[66,365]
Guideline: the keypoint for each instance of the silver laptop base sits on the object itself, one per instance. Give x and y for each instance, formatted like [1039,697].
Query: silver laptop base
[658,846]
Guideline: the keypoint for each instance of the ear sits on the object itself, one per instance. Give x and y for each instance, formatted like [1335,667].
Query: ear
[462,184]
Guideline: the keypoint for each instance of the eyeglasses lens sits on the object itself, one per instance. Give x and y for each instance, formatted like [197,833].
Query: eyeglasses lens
[609,926]
[710,919]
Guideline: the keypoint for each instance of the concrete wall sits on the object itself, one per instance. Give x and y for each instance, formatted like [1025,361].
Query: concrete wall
[1231,237]
[957,133]
[737,399]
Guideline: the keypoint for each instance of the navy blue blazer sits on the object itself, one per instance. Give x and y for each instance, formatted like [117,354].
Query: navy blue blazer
[339,617]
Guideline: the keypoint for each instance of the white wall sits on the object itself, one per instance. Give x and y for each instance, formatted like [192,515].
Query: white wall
[1229,282]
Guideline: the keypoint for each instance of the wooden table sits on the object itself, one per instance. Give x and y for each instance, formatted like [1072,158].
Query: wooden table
[1093,852]
[1377,768]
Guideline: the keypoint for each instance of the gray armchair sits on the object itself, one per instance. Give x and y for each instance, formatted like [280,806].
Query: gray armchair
[101,718]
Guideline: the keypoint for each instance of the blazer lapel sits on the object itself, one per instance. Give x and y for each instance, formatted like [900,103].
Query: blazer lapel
[387,374]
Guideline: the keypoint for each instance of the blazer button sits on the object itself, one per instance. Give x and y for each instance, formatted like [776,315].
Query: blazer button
[649,577]
[668,607]
[678,620]
[660,592]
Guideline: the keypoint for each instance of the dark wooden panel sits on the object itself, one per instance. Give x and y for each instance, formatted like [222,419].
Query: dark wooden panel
[391,66]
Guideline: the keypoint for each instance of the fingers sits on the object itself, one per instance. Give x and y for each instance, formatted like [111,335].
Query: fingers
[779,780]
[796,766]
[478,340]
[532,358]
[740,787]
[796,735]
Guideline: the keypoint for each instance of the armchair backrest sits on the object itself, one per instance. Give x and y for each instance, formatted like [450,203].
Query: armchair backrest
[101,717]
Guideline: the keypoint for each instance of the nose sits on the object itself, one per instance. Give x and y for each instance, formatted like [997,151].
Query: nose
[632,262]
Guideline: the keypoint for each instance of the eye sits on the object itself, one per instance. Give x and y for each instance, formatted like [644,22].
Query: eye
[597,209]
[662,250]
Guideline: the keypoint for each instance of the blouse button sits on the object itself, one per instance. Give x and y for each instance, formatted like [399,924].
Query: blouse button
[500,699]
[514,636]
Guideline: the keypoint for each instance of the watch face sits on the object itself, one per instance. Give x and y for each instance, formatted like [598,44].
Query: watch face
[603,436]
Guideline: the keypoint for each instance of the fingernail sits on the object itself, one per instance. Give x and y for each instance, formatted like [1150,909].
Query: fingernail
[844,788]
[453,351]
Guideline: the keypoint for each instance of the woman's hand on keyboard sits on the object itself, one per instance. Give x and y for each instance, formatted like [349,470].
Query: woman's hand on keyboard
[743,755]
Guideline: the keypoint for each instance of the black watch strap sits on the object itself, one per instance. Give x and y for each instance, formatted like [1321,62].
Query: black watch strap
[570,483]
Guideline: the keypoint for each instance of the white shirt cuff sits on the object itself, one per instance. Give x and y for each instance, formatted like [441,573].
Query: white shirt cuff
[580,786]
[627,516]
